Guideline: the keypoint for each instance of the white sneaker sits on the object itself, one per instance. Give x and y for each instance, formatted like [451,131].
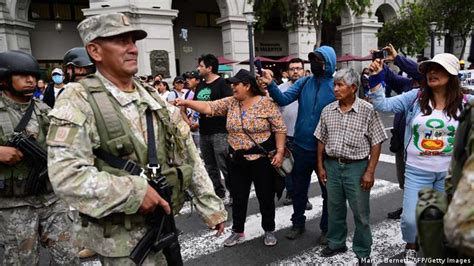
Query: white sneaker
[410,257]
[270,239]
[234,239]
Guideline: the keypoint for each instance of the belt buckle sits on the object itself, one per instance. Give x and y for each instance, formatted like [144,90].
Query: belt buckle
[340,160]
[129,166]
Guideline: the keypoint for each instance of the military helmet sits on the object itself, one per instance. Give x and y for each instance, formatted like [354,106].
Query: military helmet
[77,57]
[18,62]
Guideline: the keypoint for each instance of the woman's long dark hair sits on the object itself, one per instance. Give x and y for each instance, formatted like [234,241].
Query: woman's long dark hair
[255,89]
[454,97]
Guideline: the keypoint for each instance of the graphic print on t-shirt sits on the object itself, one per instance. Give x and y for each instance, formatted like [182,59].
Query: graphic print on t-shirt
[204,94]
[434,137]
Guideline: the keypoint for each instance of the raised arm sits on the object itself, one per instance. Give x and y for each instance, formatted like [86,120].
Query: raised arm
[396,104]
[287,97]
[199,106]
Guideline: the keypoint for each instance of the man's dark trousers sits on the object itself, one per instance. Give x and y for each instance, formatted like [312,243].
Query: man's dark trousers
[305,164]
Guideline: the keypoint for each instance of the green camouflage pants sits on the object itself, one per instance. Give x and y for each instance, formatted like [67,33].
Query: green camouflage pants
[23,229]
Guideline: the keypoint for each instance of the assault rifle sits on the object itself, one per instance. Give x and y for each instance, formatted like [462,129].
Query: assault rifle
[163,234]
[37,155]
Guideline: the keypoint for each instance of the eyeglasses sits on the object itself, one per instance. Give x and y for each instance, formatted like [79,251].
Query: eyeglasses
[295,69]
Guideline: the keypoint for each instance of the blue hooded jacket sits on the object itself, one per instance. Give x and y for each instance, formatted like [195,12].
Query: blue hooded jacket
[313,94]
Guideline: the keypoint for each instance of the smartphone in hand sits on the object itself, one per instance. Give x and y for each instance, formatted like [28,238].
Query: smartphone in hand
[381,54]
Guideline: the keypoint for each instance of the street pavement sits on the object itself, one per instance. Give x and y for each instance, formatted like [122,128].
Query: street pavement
[199,246]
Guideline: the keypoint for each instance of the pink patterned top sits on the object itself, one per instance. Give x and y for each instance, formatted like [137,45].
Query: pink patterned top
[259,120]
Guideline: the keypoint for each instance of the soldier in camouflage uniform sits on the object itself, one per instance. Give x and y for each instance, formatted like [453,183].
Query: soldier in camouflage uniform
[27,218]
[99,191]
[459,218]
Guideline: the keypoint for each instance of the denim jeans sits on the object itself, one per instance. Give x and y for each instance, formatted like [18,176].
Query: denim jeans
[344,185]
[415,180]
[214,150]
[305,164]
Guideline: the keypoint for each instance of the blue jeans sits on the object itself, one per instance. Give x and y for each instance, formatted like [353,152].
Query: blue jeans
[305,164]
[344,185]
[214,150]
[288,178]
[415,180]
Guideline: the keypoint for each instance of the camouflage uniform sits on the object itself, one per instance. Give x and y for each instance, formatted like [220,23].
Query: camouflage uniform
[99,193]
[25,222]
[459,218]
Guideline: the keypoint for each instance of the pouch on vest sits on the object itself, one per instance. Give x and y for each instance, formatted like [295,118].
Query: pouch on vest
[431,207]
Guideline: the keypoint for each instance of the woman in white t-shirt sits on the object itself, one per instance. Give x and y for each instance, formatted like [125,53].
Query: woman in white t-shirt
[431,121]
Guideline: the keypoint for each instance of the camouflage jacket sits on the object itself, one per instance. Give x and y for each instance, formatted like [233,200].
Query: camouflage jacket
[16,111]
[459,219]
[98,194]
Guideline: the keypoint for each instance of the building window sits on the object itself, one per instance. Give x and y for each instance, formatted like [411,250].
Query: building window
[62,12]
[207,20]
[57,10]
[39,11]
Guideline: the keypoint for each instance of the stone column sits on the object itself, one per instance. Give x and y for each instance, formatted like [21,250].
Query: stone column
[157,50]
[301,41]
[357,38]
[14,28]
[235,39]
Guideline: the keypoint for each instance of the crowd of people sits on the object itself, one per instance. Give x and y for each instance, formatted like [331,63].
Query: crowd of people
[105,129]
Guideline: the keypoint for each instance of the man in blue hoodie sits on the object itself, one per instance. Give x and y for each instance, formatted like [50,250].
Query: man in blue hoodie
[313,93]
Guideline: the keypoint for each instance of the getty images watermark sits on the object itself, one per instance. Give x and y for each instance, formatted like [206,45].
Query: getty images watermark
[416,260]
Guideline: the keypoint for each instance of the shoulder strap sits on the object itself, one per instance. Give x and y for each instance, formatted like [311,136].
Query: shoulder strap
[26,118]
[248,134]
[105,114]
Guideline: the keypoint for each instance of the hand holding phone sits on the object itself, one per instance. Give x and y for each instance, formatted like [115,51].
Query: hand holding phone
[380,54]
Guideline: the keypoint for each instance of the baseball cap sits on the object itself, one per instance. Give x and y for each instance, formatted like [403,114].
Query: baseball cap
[192,74]
[448,61]
[57,71]
[316,55]
[178,79]
[107,25]
[243,76]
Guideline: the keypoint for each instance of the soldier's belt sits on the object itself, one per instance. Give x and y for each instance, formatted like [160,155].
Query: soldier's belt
[108,221]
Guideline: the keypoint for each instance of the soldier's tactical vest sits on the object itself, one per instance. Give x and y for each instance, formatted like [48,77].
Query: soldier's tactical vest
[117,139]
[13,179]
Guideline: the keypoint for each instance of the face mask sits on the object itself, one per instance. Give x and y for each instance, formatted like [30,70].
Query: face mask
[317,68]
[58,79]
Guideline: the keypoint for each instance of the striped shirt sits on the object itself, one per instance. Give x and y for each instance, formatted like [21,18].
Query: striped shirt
[350,135]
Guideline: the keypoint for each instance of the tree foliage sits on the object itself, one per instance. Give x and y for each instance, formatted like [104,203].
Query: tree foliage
[409,32]
[453,16]
[307,12]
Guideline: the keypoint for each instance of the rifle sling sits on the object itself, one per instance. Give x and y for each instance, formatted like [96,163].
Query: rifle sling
[127,165]
[26,118]
[152,157]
